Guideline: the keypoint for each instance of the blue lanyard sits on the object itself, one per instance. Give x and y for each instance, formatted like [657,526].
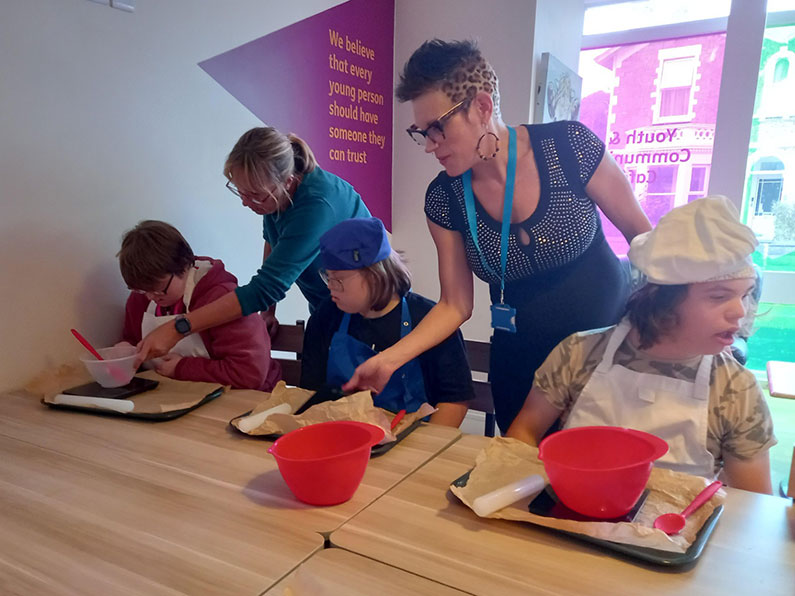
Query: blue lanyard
[507,205]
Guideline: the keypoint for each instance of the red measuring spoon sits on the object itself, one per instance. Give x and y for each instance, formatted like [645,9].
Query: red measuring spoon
[86,345]
[672,523]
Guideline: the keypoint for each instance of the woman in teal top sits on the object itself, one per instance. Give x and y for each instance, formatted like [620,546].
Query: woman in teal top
[276,176]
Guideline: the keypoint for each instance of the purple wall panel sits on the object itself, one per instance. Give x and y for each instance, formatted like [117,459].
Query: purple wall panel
[297,78]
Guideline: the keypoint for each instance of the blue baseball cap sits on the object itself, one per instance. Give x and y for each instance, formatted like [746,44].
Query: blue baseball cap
[354,243]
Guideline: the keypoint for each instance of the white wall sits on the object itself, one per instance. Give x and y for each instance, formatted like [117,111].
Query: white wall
[105,119]
[559,32]
[512,35]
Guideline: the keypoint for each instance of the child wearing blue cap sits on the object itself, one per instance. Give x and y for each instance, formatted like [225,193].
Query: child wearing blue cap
[370,309]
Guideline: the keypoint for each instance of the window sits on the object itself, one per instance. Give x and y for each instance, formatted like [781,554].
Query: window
[655,104]
[777,86]
[769,198]
[661,191]
[781,71]
[677,74]
[698,183]
[768,193]
[621,16]
[675,86]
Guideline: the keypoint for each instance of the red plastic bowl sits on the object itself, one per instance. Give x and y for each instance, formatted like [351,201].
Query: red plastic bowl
[600,471]
[324,463]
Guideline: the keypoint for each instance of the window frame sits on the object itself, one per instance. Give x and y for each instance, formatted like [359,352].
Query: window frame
[691,52]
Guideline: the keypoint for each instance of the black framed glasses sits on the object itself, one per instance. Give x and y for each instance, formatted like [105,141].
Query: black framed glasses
[162,292]
[435,130]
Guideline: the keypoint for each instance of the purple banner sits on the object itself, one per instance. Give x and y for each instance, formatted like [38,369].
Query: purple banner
[328,79]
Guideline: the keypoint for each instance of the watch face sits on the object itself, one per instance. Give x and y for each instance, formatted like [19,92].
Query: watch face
[182,325]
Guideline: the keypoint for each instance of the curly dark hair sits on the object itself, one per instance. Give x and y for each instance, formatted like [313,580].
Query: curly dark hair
[652,311]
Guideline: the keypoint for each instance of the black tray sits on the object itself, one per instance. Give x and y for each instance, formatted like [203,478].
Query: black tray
[547,504]
[134,387]
[153,416]
[374,452]
[650,555]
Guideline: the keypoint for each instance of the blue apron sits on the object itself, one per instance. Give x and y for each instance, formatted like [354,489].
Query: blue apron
[406,387]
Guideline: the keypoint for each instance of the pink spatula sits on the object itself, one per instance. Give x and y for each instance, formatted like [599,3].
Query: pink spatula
[86,345]
[115,372]
[672,523]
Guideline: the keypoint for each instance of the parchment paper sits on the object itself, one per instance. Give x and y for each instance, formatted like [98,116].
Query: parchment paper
[504,461]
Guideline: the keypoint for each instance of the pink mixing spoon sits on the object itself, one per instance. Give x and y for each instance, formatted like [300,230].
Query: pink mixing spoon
[672,523]
[115,372]
[86,345]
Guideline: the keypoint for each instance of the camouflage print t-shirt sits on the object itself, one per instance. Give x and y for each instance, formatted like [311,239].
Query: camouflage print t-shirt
[739,421]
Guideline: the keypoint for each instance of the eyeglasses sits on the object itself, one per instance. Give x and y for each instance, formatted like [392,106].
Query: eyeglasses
[259,198]
[334,283]
[162,292]
[435,130]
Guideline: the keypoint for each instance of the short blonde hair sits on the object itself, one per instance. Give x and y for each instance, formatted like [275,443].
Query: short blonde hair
[266,156]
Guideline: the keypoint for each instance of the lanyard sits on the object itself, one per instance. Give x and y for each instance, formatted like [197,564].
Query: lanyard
[507,205]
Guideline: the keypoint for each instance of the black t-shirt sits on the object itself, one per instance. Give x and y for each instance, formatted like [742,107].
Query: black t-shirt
[445,369]
[562,227]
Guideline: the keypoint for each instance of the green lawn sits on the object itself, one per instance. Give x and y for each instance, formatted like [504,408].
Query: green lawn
[774,335]
[785,262]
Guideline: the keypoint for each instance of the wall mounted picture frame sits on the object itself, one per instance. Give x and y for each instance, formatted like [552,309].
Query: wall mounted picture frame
[558,92]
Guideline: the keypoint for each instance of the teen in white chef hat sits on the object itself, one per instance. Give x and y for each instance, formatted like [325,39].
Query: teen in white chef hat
[664,368]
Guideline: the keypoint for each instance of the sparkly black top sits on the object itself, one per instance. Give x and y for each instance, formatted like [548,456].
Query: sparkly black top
[562,227]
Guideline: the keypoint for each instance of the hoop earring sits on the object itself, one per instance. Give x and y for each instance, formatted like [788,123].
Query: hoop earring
[496,146]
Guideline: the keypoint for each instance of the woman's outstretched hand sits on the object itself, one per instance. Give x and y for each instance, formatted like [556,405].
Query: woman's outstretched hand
[158,343]
[372,374]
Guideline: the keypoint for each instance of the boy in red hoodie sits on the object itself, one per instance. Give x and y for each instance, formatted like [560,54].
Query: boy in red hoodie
[166,281]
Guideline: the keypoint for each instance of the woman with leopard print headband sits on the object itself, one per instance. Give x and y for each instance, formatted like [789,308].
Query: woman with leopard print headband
[516,206]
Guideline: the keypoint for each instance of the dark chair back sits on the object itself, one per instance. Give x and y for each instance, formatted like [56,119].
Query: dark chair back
[478,353]
[290,338]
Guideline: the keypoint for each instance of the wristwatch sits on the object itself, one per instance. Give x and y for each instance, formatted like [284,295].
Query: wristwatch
[182,325]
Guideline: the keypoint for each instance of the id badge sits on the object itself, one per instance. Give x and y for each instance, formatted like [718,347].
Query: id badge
[503,316]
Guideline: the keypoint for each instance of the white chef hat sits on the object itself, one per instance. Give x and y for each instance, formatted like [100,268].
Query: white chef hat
[697,242]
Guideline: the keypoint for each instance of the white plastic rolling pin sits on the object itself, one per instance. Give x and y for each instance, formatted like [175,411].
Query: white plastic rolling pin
[249,423]
[487,504]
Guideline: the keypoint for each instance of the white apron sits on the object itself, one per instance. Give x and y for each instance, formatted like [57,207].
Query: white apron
[192,345]
[672,409]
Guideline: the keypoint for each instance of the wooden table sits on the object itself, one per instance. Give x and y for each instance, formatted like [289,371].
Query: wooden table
[105,505]
[422,528]
[383,472]
[337,571]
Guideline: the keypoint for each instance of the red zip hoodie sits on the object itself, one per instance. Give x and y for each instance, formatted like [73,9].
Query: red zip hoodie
[240,351]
